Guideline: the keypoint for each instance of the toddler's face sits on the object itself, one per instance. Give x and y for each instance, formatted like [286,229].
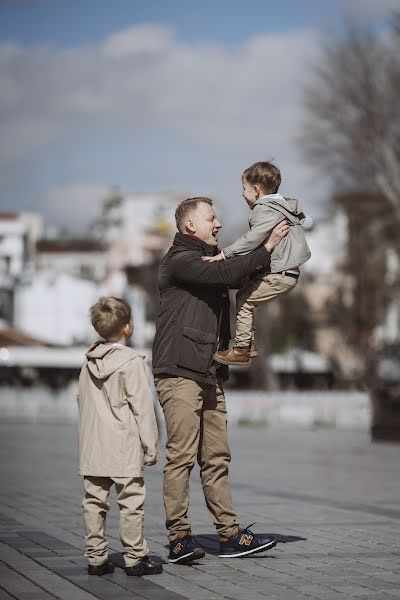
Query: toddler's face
[250,193]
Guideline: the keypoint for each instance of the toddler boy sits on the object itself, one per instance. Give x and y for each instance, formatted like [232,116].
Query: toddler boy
[261,182]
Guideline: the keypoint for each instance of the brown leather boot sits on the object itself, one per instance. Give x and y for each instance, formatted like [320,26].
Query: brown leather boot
[234,356]
[253,349]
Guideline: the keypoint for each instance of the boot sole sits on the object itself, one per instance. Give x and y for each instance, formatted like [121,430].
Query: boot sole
[247,552]
[232,364]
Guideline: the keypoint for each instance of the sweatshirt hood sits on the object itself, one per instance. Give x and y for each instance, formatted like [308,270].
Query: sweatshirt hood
[104,359]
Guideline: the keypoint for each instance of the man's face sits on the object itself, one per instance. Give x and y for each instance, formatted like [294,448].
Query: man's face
[205,223]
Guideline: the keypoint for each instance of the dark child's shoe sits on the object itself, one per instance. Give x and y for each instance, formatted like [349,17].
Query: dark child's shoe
[103,569]
[245,542]
[145,567]
[239,357]
[184,550]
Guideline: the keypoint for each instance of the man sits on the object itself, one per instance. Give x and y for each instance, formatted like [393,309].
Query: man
[193,322]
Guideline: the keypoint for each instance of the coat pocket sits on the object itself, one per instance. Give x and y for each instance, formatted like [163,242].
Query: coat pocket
[196,349]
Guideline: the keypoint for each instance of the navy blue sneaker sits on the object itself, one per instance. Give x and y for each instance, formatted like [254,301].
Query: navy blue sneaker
[245,542]
[184,550]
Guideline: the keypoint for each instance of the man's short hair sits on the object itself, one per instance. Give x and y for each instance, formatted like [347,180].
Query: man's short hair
[186,207]
[264,174]
[109,316]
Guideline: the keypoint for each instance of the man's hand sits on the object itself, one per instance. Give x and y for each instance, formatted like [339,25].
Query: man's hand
[213,258]
[277,234]
[149,462]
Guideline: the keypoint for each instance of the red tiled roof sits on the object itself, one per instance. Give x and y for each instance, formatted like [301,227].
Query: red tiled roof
[8,216]
[68,245]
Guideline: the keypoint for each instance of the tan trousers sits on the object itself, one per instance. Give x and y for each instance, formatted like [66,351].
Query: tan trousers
[263,288]
[130,499]
[195,416]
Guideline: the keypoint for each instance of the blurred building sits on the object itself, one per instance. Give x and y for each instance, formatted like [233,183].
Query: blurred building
[47,284]
[19,233]
[136,228]
[54,307]
[82,258]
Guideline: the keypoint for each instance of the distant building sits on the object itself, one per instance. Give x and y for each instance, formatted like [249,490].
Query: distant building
[19,233]
[136,228]
[81,258]
[54,308]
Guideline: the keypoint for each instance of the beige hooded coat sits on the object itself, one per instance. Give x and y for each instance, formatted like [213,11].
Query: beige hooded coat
[117,424]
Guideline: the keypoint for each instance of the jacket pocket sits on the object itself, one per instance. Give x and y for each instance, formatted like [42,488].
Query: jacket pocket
[196,349]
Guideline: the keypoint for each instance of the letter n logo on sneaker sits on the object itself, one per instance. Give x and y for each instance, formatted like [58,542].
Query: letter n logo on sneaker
[177,548]
[245,540]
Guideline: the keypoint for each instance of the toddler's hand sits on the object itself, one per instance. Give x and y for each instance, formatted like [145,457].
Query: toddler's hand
[213,258]
[149,462]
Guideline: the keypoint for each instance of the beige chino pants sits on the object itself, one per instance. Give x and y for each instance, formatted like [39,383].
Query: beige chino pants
[196,421]
[263,288]
[130,499]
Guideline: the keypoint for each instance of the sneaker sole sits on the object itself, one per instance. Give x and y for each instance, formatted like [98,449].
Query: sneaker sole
[187,558]
[247,552]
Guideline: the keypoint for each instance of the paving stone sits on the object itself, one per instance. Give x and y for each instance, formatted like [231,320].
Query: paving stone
[20,587]
[330,497]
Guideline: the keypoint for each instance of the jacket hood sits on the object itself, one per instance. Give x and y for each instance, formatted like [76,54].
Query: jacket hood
[104,359]
[289,207]
[289,204]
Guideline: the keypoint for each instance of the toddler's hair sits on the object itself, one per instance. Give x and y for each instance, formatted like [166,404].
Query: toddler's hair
[109,315]
[185,208]
[264,174]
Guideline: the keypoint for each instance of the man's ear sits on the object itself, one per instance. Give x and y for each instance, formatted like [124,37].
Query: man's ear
[189,226]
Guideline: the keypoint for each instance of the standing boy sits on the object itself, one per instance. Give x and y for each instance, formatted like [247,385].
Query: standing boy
[117,437]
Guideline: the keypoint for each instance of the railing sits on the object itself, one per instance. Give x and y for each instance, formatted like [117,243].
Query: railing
[340,409]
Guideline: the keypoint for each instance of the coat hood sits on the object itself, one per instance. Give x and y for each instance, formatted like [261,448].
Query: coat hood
[104,359]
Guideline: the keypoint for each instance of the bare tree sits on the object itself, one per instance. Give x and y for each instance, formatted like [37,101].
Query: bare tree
[352,128]
[352,132]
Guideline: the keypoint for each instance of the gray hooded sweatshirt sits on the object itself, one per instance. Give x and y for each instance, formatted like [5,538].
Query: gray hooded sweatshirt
[292,251]
[117,424]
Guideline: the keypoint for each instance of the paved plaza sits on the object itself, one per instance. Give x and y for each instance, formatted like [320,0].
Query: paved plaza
[330,497]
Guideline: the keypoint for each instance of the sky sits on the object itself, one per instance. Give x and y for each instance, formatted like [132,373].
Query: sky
[158,96]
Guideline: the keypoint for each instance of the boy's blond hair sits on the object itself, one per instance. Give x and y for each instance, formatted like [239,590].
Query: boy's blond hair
[264,174]
[186,207]
[109,316]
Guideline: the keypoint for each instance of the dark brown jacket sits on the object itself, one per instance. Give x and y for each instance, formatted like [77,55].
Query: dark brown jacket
[193,319]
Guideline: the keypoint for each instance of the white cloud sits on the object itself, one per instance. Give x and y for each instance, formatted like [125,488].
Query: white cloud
[142,75]
[229,105]
[149,39]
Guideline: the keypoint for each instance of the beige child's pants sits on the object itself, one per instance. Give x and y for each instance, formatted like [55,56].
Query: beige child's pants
[263,288]
[130,499]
